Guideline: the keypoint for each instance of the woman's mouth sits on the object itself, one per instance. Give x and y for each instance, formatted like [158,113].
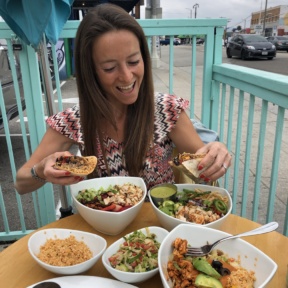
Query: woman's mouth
[126,89]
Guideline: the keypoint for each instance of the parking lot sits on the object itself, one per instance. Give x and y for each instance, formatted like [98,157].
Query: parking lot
[183,57]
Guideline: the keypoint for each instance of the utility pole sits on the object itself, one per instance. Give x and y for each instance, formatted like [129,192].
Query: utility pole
[226,27]
[260,13]
[154,11]
[264,20]
[190,12]
[244,25]
[195,6]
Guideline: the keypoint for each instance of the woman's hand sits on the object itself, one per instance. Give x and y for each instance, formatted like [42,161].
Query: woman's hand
[45,170]
[217,161]
[43,159]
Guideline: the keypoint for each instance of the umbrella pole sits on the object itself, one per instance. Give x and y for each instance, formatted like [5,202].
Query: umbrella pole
[65,210]
[46,78]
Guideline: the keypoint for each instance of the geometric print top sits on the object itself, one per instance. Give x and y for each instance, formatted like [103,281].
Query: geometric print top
[156,168]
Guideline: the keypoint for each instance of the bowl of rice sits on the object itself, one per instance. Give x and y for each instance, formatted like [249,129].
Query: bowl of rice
[66,251]
[234,263]
[109,204]
[205,205]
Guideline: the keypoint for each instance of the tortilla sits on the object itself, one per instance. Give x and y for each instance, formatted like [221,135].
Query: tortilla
[76,165]
[188,163]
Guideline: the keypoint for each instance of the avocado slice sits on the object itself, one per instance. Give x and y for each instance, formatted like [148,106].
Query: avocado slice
[122,267]
[202,265]
[168,203]
[166,210]
[205,281]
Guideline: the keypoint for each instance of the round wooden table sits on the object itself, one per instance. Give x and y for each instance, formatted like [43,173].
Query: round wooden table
[18,269]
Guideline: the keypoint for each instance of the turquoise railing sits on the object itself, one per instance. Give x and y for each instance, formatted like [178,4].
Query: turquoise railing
[222,93]
[259,102]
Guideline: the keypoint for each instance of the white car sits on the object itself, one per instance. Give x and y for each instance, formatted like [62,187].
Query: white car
[177,41]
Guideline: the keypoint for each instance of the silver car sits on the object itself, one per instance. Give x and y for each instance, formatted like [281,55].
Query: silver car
[280,42]
[248,46]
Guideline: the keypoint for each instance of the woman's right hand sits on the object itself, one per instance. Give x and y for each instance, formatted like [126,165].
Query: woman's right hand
[43,159]
[45,170]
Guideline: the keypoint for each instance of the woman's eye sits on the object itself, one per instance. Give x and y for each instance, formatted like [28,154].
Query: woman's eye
[111,69]
[108,69]
[134,62]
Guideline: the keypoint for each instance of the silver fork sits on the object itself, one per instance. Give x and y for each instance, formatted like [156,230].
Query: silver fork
[204,250]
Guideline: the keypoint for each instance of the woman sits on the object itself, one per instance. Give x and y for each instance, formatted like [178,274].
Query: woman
[119,120]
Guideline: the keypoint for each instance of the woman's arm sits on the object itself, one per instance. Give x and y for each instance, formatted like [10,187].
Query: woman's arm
[186,139]
[52,146]
[184,135]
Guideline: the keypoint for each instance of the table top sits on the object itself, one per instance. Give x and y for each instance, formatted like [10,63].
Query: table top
[18,269]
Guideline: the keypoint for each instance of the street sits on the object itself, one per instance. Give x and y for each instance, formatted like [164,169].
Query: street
[182,58]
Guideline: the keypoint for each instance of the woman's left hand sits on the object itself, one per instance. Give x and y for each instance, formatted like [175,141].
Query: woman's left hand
[217,161]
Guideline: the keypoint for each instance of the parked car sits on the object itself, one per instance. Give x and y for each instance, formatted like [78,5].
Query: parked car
[166,41]
[8,86]
[247,46]
[280,42]
[177,41]
[200,41]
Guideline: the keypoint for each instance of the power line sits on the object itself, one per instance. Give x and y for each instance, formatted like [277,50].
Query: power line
[250,16]
[241,21]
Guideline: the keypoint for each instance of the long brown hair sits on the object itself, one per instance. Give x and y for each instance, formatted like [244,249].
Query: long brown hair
[94,106]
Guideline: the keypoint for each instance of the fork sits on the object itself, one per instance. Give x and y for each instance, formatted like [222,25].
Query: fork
[204,250]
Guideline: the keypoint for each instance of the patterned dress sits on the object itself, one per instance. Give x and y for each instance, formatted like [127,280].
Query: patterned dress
[156,168]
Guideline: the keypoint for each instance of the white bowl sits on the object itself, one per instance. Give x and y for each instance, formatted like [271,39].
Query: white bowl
[110,223]
[251,258]
[132,277]
[169,222]
[96,244]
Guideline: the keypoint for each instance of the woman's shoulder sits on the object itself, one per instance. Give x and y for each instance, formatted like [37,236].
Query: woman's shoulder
[167,111]
[67,123]
[71,113]
[171,101]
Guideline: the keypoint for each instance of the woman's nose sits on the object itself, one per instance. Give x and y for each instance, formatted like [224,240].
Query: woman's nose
[125,74]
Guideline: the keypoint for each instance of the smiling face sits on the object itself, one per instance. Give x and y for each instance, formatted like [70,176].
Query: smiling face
[119,66]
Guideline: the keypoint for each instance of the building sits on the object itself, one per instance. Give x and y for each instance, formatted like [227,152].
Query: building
[272,23]
[82,6]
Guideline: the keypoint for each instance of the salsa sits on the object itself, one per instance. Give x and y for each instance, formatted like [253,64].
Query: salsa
[162,192]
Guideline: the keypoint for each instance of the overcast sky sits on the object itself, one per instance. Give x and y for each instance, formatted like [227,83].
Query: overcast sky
[235,10]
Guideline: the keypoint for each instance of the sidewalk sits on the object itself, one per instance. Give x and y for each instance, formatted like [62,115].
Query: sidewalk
[181,84]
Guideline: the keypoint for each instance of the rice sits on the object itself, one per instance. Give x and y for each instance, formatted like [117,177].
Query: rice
[64,252]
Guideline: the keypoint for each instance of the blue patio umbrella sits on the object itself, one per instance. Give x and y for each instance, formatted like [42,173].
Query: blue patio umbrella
[35,22]
[31,19]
